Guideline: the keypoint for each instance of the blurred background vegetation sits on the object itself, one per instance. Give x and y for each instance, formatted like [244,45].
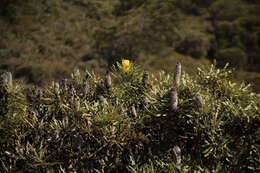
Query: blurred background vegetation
[41,40]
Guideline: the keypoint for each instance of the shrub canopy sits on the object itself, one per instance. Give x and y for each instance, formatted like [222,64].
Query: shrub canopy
[79,124]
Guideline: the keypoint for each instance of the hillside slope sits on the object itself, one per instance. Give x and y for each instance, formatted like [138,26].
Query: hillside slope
[42,40]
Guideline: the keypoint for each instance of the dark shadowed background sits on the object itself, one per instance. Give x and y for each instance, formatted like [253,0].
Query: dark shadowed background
[42,40]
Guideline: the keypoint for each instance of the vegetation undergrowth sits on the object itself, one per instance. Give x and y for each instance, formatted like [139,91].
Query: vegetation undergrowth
[130,121]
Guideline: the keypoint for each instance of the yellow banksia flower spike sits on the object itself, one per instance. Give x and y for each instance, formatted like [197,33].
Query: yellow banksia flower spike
[126,65]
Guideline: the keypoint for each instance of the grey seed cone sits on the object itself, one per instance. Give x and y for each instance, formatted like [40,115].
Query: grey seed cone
[70,84]
[73,92]
[76,72]
[65,121]
[177,74]
[132,112]
[64,84]
[145,78]
[145,103]
[6,79]
[113,130]
[199,102]
[55,135]
[214,62]
[102,100]
[108,80]
[77,103]
[177,152]
[89,123]
[173,99]
[57,88]
[39,93]
[85,88]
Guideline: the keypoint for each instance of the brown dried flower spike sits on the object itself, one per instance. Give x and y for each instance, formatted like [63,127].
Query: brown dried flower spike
[199,102]
[108,80]
[145,78]
[132,112]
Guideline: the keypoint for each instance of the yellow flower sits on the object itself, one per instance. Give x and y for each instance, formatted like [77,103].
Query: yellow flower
[126,65]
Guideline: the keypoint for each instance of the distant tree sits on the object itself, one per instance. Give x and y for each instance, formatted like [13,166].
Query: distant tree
[148,27]
[226,10]
[124,6]
[7,10]
[235,56]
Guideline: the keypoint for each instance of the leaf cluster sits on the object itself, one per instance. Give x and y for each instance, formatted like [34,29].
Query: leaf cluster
[79,124]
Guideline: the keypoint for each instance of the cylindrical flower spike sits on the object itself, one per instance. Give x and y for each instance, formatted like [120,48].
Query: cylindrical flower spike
[85,88]
[126,65]
[102,100]
[65,121]
[76,72]
[73,94]
[214,62]
[132,112]
[145,78]
[145,103]
[70,84]
[177,152]
[55,135]
[6,79]
[199,102]
[57,88]
[177,74]
[113,130]
[108,80]
[38,93]
[77,104]
[173,99]
[89,123]
[64,84]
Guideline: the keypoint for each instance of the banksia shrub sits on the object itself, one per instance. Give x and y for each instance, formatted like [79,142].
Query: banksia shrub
[76,125]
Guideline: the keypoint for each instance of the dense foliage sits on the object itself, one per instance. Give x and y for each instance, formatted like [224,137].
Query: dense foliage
[67,32]
[130,121]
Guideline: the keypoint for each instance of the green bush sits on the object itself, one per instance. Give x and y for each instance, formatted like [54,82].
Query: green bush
[195,44]
[250,23]
[7,10]
[111,43]
[225,30]
[227,10]
[87,124]
[236,57]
